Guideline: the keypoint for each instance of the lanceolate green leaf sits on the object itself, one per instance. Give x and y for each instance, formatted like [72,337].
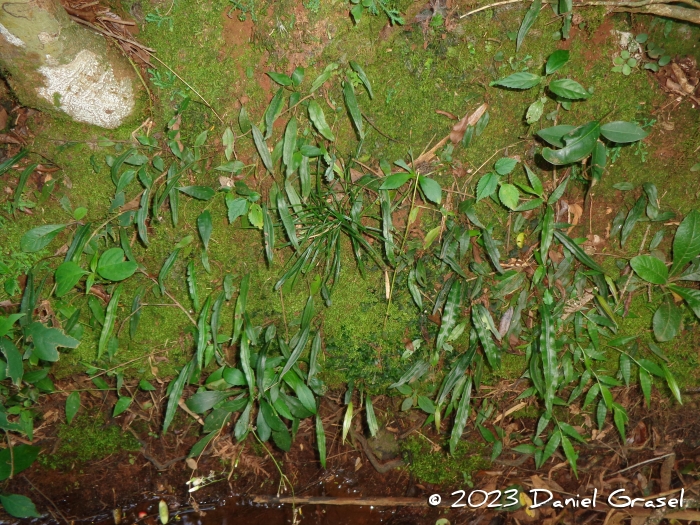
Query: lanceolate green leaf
[268,235]
[671,382]
[321,440]
[372,424]
[110,320]
[599,159]
[461,417]
[394,181]
[347,420]
[547,233]
[570,453]
[290,144]
[481,324]
[522,80]
[548,350]
[491,249]
[273,111]
[319,120]
[363,77]
[634,215]
[450,313]
[165,270]
[387,226]
[287,222]
[261,146]
[72,405]
[691,296]
[353,108]
[528,21]
[205,227]
[650,269]
[686,243]
[574,248]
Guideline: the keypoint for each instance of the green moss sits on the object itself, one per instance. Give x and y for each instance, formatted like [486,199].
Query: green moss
[88,438]
[438,467]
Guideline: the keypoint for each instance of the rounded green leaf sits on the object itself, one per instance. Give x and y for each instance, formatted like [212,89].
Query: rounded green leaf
[67,276]
[509,196]
[650,269]
[579,145]
[113,267]
[666,321]
[568,88]
[664,60]
[618,61]
[555,134]
[641,38]
[255,216]
[37,238]
[486,186]
[626,69]
[505,165]
[79,213]
[622,132]
[556,60]
[431,189]
[19,506]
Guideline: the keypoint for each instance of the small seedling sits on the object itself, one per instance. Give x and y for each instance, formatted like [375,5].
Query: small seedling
[624,63]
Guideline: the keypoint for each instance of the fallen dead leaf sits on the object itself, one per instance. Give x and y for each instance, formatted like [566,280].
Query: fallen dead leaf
[460,128]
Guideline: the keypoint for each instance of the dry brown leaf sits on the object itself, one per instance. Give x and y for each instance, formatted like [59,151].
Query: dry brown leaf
[3,118]
[682,79]
[666,472]
[460,128]
[355,175]
[575,211]
[6,138]
[447,114]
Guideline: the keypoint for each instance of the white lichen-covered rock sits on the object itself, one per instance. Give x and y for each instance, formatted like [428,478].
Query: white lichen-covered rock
[88,91]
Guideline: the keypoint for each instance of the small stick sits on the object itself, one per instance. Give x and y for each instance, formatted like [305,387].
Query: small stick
[193,89]
[490,6]
[46,498]
[639,465]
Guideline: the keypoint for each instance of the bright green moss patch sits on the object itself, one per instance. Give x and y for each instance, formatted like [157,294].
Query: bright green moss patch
[88,438]
[438,467]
